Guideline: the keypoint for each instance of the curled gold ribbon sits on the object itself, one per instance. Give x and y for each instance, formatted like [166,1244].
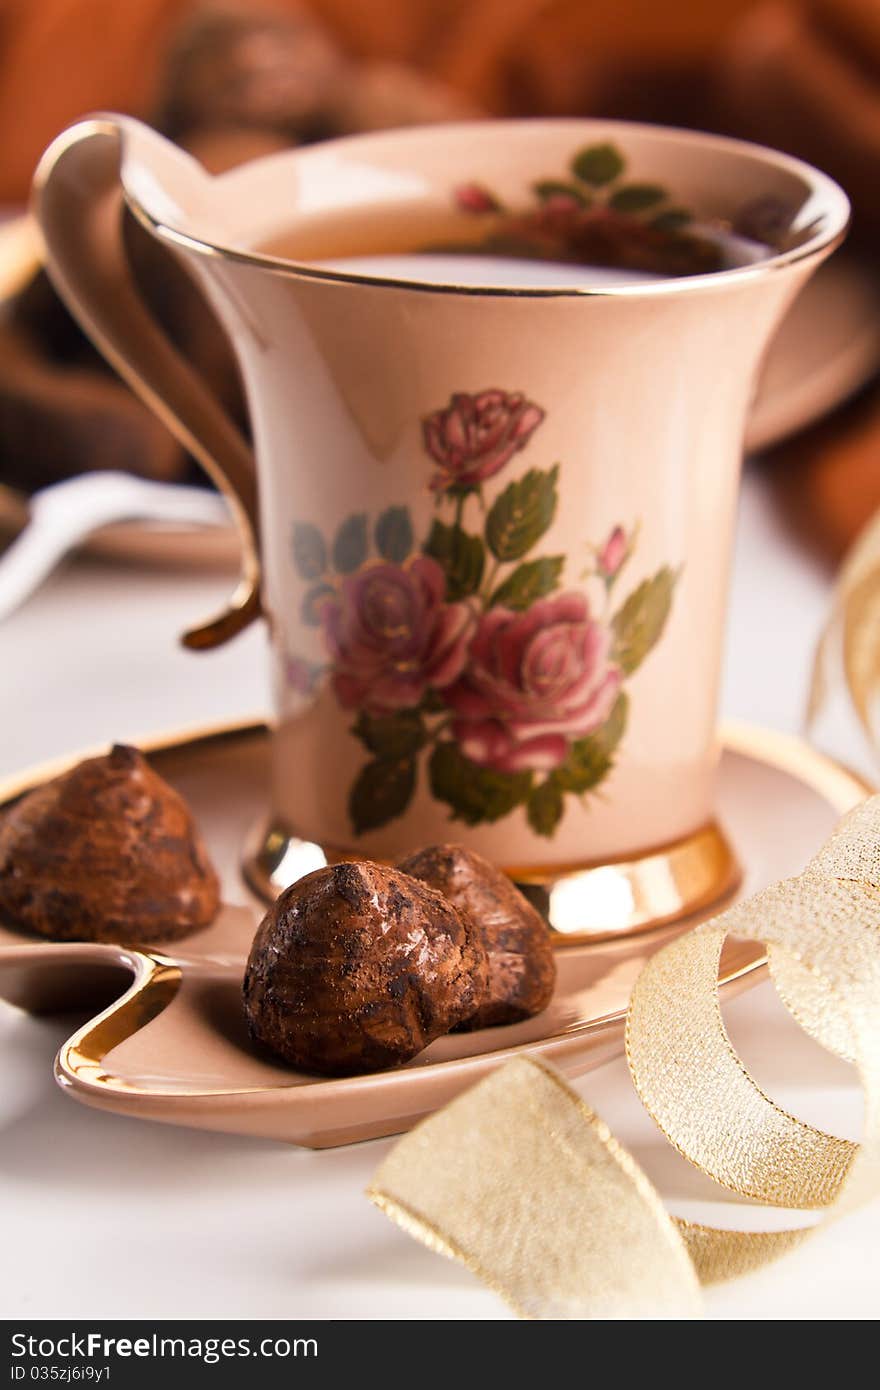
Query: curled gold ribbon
[854,620]
[524,1184]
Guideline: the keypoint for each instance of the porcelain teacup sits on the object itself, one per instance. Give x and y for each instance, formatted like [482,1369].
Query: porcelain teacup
[497,377]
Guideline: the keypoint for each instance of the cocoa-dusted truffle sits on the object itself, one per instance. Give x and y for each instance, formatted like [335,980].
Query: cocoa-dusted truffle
[522,969]
[105,852]
[357,967]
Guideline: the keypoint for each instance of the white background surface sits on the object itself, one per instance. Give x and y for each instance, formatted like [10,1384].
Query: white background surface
[104,1217]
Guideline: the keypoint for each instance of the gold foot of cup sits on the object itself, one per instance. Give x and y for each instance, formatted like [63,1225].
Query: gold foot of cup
[593,902]
[582,902]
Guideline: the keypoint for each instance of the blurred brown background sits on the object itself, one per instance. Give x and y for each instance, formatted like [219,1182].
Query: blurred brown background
[231,80]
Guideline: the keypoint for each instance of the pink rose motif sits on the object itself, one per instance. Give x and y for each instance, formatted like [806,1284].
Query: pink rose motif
[534,681]
[391,636]
[473,197]
[613,553]
[475,436]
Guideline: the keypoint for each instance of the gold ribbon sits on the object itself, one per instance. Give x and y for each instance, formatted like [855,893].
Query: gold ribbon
[854,625]
[524,1184]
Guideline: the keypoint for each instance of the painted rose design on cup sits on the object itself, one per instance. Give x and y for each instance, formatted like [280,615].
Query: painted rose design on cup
[475,436]
[591,212]
[391,636]
[534,682]
[467,659]
[614,553]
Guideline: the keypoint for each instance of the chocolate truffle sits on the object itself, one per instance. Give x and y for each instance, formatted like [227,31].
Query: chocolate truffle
[105,852]
[357,967]
[522,969]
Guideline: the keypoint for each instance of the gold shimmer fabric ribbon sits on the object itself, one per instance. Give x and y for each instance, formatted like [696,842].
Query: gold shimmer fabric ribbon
[854,621]
[524,1184]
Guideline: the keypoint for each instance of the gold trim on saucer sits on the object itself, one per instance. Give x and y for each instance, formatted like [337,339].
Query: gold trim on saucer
[221,731]
[156,981]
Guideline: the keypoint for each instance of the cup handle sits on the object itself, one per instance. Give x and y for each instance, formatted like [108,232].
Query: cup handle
[78,203]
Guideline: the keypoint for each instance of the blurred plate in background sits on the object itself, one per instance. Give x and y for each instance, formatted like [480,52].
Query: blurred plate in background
[826,348]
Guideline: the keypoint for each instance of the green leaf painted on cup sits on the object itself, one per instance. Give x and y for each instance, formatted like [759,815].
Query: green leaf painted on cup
[531,580]
[544,807]
[636,197]
[309,550]
[391,736]
[394,535]
[310,608]
[671,219]
[590,759]
[382,791]
[432,702]
[461,556]
[598,164]
[522,513]
[350,545]
[475,794]
[545,190]
[638,625]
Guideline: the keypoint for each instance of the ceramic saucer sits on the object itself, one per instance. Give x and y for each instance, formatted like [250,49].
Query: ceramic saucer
[172,1046]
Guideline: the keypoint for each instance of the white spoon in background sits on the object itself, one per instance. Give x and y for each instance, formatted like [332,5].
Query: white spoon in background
[63,515]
